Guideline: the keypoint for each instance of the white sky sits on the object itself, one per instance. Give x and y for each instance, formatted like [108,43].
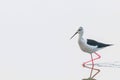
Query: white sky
[34,38]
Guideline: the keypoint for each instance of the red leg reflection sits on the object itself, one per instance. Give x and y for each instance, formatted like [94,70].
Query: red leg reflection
[92,68]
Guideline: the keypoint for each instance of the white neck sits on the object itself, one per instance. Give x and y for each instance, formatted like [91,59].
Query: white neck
[80,34]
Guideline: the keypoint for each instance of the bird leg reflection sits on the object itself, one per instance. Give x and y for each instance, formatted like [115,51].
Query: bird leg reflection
[92,68]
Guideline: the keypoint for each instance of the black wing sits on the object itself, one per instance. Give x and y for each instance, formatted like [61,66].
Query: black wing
[98,44]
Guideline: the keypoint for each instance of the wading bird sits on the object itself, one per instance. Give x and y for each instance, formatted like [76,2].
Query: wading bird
[90,46]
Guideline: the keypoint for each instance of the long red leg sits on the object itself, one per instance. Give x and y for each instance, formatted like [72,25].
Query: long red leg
[92,66]
[84,65]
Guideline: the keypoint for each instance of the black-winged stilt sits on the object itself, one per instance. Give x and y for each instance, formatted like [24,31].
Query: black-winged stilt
[90,46]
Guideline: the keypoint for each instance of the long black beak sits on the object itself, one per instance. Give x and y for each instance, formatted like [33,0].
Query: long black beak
[73,35]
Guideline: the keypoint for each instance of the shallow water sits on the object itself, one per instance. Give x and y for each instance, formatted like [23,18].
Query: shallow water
[109,71]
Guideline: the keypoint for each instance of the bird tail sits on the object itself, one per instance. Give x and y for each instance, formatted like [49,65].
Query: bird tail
[110,44]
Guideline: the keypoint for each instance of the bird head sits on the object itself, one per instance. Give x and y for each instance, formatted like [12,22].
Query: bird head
[79,31]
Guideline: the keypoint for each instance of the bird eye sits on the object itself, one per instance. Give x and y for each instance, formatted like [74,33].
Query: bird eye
[79,29]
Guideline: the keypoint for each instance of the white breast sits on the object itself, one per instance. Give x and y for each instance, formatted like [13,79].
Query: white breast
[85,47]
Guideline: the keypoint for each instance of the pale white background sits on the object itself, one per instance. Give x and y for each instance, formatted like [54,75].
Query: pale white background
[34,38]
